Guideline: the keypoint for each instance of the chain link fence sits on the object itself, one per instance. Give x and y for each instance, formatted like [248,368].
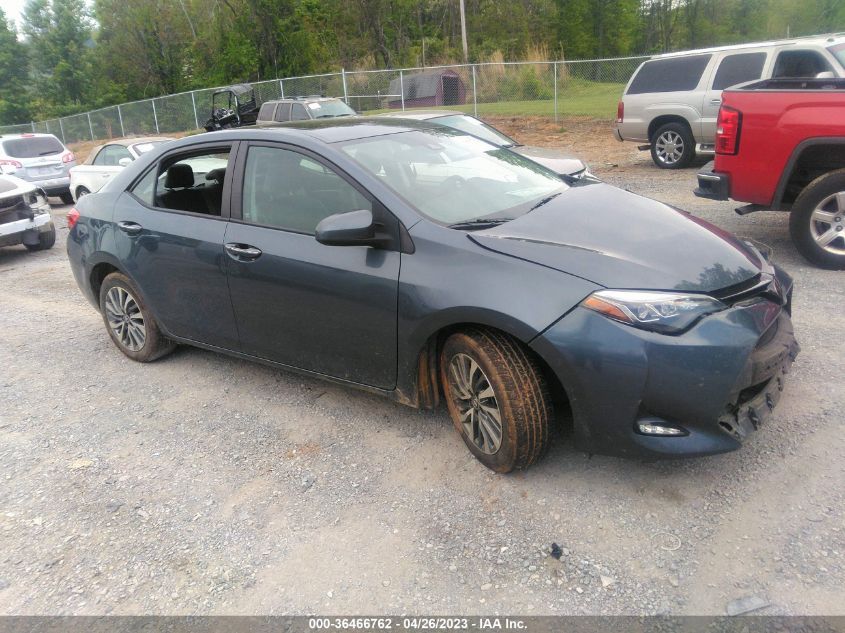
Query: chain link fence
[553,89]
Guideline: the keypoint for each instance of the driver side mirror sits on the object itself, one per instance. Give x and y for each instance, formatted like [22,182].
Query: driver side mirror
[125,161]
[354,228]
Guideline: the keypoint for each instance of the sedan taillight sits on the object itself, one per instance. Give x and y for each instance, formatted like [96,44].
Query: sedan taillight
[727,130]
[72,218]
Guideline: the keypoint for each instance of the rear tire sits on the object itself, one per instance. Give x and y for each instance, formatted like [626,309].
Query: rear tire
[46,241]
[129,322]
[672,146]
[817,221]
[497,397]
[66,197]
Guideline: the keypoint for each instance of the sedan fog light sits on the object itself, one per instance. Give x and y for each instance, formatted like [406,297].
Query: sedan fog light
[654,426]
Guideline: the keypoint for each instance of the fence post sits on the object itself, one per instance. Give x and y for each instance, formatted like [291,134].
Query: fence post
[155,116]
[402,89]
[90,127]
[194,103]
[345,93]
[62,130]
[555,89]
[120,116]
[32,123]
[282,87]
[474,95]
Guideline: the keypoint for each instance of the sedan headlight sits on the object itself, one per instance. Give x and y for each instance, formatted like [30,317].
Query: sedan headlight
[664,312]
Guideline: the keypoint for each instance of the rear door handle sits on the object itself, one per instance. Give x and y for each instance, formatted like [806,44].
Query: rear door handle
[130,228]
[716,101]
[243,252]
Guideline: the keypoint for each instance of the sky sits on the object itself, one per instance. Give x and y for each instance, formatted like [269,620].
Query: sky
[13,9]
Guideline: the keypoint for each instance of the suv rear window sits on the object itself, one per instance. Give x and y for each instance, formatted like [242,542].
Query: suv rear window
[32,147]
[266,112]
[737,69]
[669,75]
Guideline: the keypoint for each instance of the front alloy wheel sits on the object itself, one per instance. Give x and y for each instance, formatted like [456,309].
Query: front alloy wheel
[497,397]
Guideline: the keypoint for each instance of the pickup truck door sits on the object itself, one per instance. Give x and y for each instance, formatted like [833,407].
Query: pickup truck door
[730,70]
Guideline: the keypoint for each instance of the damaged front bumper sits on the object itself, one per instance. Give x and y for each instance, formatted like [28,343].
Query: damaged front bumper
[23,223]
[715,383]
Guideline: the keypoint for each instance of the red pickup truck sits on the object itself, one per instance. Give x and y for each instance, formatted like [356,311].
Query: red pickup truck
[780,144]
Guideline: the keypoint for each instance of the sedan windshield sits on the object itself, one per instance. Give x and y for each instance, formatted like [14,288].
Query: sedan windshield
[143,148]
[473,126]
[454,178]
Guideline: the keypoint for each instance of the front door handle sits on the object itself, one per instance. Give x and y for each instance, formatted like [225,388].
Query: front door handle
[243,252]
[130,228]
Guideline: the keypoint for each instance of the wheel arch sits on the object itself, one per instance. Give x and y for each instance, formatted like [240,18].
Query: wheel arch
[810,159]
[658,122]
[419,383]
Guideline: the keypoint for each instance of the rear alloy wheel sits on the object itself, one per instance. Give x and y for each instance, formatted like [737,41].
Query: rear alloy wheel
[128,321]
[497,397]
[672,146]
[817,221]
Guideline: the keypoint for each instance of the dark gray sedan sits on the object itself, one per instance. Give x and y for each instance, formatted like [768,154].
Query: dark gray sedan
[422,263]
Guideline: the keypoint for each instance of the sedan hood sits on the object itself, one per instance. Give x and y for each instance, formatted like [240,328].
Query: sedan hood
[553,159]
[621,240]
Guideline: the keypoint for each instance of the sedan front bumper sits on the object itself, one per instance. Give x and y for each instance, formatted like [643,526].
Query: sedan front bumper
[716,382]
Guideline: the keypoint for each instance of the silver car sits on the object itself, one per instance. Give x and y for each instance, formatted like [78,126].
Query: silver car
[559,162]
[41,159]
[671,103]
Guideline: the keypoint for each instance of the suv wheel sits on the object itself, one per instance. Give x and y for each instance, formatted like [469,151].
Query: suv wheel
[130,324]
[672,146]
[497,397]
[817,221]
[46,240]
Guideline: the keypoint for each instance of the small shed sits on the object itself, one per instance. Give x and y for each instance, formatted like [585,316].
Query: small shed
[428,88]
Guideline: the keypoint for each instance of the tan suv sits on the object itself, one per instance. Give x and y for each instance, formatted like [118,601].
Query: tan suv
[671,103]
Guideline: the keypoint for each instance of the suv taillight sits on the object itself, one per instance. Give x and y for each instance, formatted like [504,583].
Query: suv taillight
[68,157]
[13,163]
[72,218]
[620,112]
[727,130]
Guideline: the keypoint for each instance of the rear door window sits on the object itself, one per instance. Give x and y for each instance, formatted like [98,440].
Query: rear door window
[283,112]
[669,75]
[739,68]
[266,111]
[800,63]
[33,147]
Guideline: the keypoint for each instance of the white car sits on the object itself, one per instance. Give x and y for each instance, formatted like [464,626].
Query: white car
[24,213]
[105,161]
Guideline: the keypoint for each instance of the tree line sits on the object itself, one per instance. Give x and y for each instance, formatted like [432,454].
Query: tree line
[65,56]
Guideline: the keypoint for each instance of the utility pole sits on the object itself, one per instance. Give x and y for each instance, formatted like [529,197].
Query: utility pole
[464,31]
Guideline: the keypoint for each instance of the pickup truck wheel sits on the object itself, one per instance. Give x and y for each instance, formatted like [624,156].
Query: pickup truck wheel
[129,323]
[497,397]
[817,221]
[46,240]
[672,146]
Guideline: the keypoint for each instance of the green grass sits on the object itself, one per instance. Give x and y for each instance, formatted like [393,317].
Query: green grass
[596,100]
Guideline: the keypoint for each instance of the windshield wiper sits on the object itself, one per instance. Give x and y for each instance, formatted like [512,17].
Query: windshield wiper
[479,223]
[545,200]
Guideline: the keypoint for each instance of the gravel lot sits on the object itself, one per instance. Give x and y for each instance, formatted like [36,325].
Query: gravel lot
[204,484]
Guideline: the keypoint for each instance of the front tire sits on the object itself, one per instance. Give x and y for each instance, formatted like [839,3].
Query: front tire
[817,221]
[81,191]
[130,324]
[66,197]
[672,146]
[497,397]
[46,240]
